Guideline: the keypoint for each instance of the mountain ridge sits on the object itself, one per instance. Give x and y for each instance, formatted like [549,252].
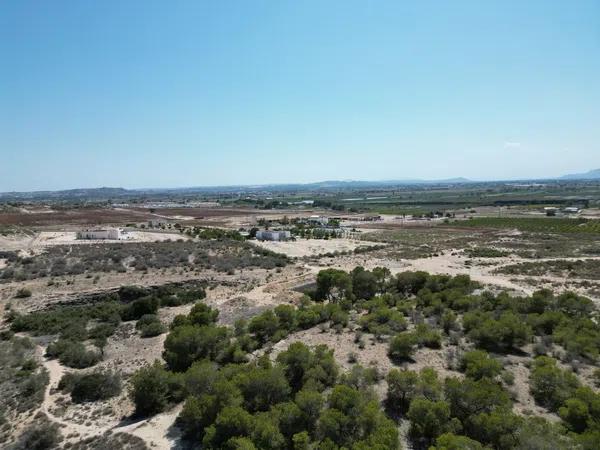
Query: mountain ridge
[106,192]
[589,175]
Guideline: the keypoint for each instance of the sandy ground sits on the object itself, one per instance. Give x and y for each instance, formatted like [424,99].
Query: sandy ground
[159,431]
[15,242]
[46,238]
[311,247]
[87,420]
[30,244]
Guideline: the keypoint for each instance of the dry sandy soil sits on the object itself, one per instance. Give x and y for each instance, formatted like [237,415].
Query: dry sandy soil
[36,242]
[46,238]
[311,247]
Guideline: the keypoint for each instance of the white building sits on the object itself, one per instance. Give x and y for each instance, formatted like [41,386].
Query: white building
[321,220]
[100,234]
[157,223]
[268,235]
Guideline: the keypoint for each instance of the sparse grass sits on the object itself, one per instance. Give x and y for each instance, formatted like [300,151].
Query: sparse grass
[485,252]
[583,268]
[22,380]
[221,255]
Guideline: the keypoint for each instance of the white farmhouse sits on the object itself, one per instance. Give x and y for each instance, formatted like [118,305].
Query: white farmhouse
[100,234]
[320,220]
[268,235]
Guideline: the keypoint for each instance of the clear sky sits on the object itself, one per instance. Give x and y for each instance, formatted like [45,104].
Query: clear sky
[169,93]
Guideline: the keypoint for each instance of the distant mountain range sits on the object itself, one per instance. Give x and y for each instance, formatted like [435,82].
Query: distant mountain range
[116,193]
[106,193]
[591,175]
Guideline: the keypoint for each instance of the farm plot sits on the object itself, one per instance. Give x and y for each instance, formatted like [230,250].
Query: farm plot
[539,224]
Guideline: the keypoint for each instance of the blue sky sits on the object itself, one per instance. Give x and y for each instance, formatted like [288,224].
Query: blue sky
[166,94]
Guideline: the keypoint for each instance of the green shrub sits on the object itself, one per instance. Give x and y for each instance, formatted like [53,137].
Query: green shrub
[153,329]
[190,343]
[550,385]
[427,337]
[478,364]
[506,333]
[91,387]
[152,388]
[72,354]
[42,435]
[141,306]
[429,419]
[23,293]
[402,346]
[150,325]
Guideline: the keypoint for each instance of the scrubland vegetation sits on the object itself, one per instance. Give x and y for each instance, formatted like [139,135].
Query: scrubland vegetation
[437,362]
[220,253]
[236,396]
[94,323]
[22,381]
[581,268]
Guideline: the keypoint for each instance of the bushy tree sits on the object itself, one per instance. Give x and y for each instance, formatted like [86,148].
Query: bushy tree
[502,334]
[263,388]
[383,320]
[190,343]
[73,354]
[496,428]
[302,366]
[402,346]
[582,411]
[364,283]
[92,386]
[409,282]
[478,364]
[232,422]
[550,385]
[429,420]
[266,434]
[451,441]
[310,404]
[539,434]
[202,314]
[469,397]
[150,325]
[141,306]
[333,285]
[427,337]
[264,326]
[402,388]
[150,389]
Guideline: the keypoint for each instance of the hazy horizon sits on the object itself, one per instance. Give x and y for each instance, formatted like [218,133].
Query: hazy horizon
[291,182]
[155,95]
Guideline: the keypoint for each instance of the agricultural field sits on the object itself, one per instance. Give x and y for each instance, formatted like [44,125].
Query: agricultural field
[540,225]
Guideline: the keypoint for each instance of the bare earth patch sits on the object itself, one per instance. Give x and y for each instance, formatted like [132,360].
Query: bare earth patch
[311,247]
